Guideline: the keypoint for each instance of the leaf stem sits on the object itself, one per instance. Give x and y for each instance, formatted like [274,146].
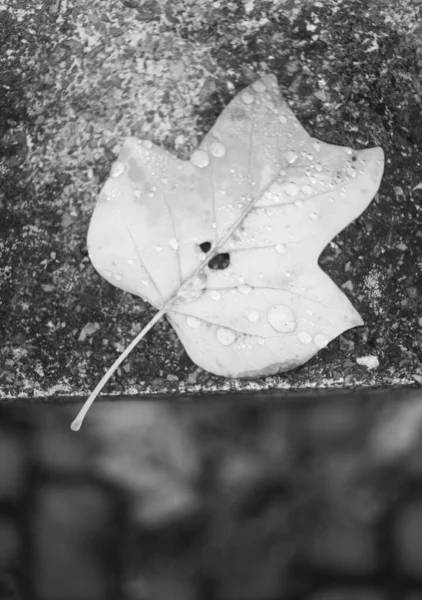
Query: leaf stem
[76,424]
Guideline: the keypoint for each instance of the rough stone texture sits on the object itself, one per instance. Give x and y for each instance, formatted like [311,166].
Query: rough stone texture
[284,507]
[76,79]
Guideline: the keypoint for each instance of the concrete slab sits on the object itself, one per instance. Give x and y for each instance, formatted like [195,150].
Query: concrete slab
[75,80]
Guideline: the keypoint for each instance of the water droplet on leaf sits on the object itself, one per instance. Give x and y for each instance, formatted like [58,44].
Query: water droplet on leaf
[281,318]
[200,158]
[193,322]
[306,189]
[320,340]
[291,157]
[281,248]
[217,149]
[259,86]
[173,243]
[247,97]
[225,336]
[305,337]
[252,315]
[245,289]
[291,188]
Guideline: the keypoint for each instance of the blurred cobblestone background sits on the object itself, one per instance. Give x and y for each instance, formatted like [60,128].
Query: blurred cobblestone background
[318,499]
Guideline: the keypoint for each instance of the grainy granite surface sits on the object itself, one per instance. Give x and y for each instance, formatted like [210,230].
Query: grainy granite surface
[77,78]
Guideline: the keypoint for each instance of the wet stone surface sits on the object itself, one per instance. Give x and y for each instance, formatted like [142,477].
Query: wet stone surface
[77,80]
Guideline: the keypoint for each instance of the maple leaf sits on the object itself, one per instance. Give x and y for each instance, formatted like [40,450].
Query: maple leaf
[226,244]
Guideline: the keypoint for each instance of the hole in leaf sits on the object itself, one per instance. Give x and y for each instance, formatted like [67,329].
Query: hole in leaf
[205,246]
[220,261]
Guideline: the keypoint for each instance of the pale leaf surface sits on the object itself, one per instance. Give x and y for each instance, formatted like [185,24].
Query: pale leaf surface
[259,189]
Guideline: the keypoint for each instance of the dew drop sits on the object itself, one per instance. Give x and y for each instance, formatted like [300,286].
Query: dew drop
[320,340]
[252,315]
[130,261]
[117,169]
[173,243]
[281,248]
[260,341]
[200,158]
[282,119]
[318,167]
[306,189]
[305,337]
[225,336]
[309,312]
[147,144]
[245,289]
[247,97]
[313,215]
[193,322]
[117,277]
[291,157]
[317,146]
[299,203]
[217,149]
[158,248]
[137,193]
[281,318]
[259,86]
[291,188]
[215,295]
[348,150]
[107,273]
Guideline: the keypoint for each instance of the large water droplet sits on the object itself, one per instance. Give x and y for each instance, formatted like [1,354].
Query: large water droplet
[320,340]
[200,158]
[247,97]
[217,149]
[117,168]
[281,248]
[259,86]
[245,289]
[281,318]
[305,337]
[252,315]
[225,336]
[193,322]
[291,188]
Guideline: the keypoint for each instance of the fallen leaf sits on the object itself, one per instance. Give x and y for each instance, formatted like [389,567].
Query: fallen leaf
[227,243]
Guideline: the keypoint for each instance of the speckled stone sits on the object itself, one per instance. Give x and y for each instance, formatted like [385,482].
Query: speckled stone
[78,79]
